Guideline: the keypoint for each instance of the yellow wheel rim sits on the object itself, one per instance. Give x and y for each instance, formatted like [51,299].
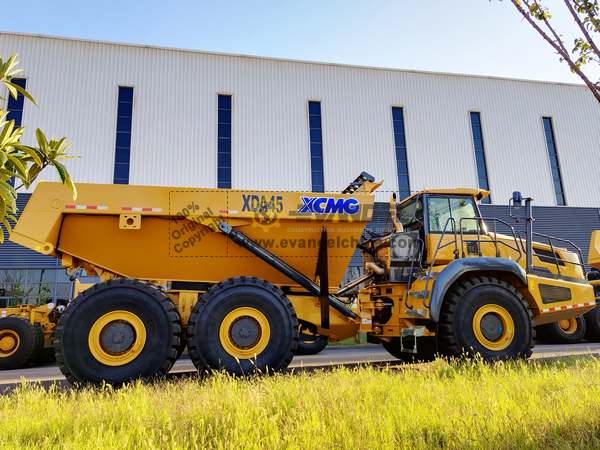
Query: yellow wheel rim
[494,327]
[9,343]
[244,333]
[117,338]
[568,326]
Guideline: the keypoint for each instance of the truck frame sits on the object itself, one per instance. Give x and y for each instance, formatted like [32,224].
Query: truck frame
[240,276]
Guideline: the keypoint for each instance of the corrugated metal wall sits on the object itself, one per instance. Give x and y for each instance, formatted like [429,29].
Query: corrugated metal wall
[175,111]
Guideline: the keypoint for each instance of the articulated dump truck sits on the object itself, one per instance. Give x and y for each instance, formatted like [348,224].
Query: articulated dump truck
[240,276]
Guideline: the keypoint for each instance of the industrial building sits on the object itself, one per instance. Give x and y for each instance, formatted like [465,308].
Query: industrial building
[158,116]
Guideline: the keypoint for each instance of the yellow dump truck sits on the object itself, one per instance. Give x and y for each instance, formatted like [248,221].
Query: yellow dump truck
[240,276]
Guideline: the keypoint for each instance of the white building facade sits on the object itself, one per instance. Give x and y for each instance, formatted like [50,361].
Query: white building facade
[157,116]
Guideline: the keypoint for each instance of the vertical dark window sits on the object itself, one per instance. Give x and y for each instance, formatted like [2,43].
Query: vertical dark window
[482,175]
[554,167]
[401,158]
[123,142]
[15,106]
[316,147]
[15,109]
[224,142]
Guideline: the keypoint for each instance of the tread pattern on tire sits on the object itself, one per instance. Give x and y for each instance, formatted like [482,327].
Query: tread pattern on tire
[448,343]
[164,300]
[215,289]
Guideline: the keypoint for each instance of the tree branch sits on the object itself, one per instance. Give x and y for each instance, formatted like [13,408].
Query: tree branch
[557,38]
[565,55]
[582,28]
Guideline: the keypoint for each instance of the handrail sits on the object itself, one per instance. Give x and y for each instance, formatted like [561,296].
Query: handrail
[439,246]
[554,252]
[479,221]
[495,240]
[421,246]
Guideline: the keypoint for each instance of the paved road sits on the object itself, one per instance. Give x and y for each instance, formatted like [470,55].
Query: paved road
[330,356]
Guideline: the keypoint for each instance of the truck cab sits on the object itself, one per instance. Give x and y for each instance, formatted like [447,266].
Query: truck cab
[442,256]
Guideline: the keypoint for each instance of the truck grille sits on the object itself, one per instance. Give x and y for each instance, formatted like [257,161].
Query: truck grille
[554,294]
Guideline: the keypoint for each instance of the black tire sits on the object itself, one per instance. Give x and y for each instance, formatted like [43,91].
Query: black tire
[20,341]
[180,348]
[564,332]
[426,350]
[309,344]
[237,314]
[592,325]
[469,299]
[124,304]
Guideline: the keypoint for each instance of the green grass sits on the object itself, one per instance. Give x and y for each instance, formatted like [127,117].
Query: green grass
[351,341]
[459,405]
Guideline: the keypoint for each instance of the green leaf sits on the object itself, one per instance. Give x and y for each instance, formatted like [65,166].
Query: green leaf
[3,158]
[9,194]
[33,172]
[21,90]
[64,158]
[42,141]
[32,152]
[2,207]
[17,164]
[7,225]
[60,169]
[6,133]
[71,186]
[10,174]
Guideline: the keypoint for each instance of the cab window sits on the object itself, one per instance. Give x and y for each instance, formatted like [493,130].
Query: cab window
[441,209]
[408,215]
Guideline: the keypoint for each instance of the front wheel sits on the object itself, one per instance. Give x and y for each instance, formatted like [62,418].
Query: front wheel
[487,317]
[243,325]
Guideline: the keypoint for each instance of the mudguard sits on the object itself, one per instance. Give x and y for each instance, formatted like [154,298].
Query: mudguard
[459,267]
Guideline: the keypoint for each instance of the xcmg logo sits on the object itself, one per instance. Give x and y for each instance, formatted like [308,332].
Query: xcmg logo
[327,205]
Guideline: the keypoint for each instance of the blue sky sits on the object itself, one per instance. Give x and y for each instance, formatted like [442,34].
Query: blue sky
[478,37]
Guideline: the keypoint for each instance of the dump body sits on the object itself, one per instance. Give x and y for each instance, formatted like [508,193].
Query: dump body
[173,232]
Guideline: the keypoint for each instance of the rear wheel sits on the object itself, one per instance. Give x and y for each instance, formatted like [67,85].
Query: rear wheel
[309,343]
[567,331]
[117,331]
[592,322]
[243,325]
[20,342]
[487,317]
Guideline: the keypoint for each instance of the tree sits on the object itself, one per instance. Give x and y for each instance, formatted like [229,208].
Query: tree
[21,162]
[585,51]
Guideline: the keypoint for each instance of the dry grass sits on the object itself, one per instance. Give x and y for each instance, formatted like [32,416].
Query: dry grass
[440,405]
